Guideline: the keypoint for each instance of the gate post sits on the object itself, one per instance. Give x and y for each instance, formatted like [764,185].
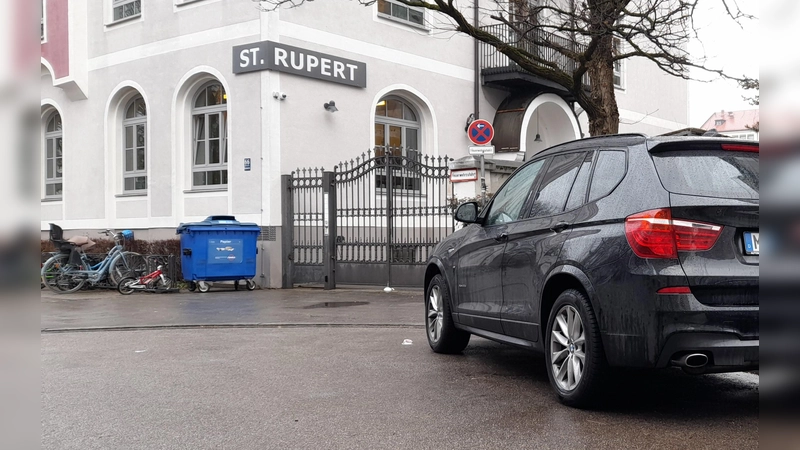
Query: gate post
[389,217]
[329,229]
[287,231]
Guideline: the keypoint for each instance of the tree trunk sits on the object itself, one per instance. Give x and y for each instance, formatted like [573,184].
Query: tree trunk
[603,114]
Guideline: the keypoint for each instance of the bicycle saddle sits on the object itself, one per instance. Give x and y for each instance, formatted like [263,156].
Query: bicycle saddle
[81,241]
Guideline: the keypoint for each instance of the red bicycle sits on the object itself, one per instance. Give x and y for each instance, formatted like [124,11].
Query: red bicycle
[155,281]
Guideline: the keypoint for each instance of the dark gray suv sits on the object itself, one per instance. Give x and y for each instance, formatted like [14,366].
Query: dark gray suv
[623,251]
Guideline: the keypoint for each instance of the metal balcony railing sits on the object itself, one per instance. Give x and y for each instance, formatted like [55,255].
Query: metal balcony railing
[533,41]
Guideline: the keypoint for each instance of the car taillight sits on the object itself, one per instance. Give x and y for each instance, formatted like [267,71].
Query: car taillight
[740,148]
[675,290]
[655,234]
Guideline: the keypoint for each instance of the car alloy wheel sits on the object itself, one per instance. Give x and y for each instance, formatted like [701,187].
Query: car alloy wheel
[435,315]
[568,348]
[442,334]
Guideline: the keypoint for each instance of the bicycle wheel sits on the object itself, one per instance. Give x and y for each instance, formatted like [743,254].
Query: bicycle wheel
[51,271]
[124,286]
[163,285]
[128,264]
[68,281]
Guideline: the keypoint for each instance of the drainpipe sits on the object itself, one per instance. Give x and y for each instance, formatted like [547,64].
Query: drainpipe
[477,64]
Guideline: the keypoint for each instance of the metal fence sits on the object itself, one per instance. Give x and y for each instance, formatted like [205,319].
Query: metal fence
[373,220]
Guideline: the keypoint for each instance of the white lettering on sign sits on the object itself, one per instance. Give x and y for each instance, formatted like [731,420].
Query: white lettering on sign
[459,176]
[244,56]
[325,69]
[268,55]
[481,150]
[280,57]
[313,62]
[338,69]
[297,65]
[352,68]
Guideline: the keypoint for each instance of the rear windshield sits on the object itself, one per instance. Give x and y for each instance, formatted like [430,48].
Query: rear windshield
[709,173]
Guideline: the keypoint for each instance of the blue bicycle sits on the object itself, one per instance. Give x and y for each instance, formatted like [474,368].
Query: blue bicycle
[71,268]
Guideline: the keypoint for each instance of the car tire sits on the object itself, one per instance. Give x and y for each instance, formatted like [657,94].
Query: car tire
[443,336]
[576,380]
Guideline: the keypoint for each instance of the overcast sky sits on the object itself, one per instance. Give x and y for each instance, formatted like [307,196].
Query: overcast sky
[730,47]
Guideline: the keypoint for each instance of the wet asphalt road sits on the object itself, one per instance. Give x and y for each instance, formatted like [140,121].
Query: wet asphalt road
[224,306]
[348,386]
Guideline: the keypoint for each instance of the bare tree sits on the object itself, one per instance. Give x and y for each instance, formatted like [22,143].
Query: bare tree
[753,85]
[576,43]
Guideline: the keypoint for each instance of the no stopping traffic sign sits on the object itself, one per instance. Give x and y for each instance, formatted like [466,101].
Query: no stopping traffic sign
[480,132]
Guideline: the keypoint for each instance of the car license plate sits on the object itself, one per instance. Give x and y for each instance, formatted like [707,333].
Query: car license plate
[751,243]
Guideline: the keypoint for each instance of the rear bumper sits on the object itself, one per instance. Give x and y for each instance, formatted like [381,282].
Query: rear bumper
[726,351]
[670,326]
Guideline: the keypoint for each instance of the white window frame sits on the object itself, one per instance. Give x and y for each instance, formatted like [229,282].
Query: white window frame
[207,111]
[121,4]
[134,123]
[393,18]
[53,136]
[404,125]
[618,65]
[181,5]
[44,21]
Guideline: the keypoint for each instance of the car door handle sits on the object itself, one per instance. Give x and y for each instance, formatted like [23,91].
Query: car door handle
[502,237]
[559,227]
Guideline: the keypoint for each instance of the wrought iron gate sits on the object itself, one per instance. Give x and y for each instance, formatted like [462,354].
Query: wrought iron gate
[383,212]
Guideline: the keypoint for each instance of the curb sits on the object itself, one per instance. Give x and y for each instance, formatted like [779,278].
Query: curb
[229,325]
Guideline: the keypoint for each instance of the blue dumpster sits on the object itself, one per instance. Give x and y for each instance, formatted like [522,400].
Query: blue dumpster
[220,248]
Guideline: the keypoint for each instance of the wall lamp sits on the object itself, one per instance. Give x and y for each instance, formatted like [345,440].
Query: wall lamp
[331,106]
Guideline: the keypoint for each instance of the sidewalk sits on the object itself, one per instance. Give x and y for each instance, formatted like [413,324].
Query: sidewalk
[223,306]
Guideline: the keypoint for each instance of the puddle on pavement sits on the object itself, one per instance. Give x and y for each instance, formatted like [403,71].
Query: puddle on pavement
[334,304]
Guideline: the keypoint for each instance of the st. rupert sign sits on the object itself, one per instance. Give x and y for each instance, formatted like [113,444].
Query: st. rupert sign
[268,55]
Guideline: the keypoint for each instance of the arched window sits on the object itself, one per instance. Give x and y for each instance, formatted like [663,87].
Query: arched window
[210,137]
[397,129]
[134,146]
[53,157]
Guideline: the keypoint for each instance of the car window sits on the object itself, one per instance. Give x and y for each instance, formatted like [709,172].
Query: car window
[608,172]
[709,173]
[507,203]
[577,196]
[554,189]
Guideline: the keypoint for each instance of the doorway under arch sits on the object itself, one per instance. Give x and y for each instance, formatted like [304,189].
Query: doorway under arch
[521,118]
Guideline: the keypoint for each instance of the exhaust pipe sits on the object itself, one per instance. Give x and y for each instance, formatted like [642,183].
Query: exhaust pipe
[693,363]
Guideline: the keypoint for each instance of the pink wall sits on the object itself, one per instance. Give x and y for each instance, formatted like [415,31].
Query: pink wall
[56,49]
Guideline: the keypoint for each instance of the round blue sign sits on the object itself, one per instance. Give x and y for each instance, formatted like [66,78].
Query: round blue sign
[480,132]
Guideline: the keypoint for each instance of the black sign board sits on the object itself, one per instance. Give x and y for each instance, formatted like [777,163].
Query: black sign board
[268,55]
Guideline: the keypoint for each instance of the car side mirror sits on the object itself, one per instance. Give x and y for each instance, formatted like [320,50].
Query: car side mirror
[467,212]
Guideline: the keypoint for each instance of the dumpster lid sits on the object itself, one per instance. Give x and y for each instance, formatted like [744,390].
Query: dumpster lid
[216,221]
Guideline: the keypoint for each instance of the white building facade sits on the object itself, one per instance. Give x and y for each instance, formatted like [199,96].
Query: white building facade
[158,112]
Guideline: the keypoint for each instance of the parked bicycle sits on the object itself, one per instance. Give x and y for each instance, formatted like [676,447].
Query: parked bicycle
[71,267]
[155,281]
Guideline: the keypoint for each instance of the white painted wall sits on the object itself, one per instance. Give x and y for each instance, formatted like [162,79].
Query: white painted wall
[166,52]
